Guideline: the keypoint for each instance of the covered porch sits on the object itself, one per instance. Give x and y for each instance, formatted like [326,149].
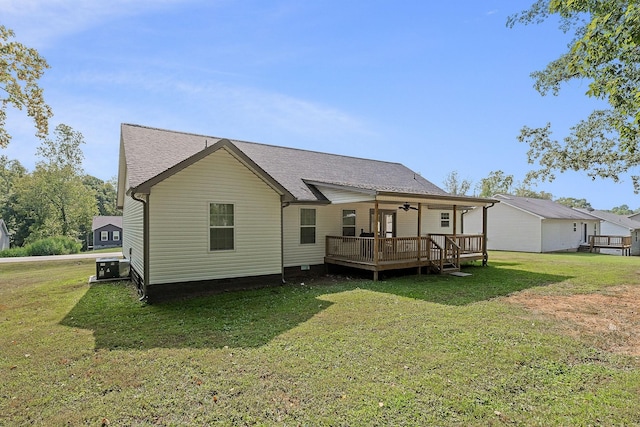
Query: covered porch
[380,249]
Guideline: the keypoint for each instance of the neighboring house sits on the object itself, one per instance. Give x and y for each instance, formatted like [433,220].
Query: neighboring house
[4,236]
[533,225]
[107,232]
[203,213]
[612,228]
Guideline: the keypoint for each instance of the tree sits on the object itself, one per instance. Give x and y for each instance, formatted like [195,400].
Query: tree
[496,183]
[621,210]
[454,185]
[605,52]
[574,203]
[526,191]
[54,195]
[106,194]
[20,69]
[11,171]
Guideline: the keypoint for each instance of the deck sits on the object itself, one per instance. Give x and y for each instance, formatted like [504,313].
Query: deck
[438,252]
[611,242]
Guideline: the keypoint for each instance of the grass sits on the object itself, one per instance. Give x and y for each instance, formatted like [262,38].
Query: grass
[413,350]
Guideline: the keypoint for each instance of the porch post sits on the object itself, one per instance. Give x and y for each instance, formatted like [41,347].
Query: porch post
[455,220]
[484,234]
[376,242]
[419,242]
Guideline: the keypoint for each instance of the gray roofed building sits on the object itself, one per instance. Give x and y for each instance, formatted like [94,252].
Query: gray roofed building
[544,208]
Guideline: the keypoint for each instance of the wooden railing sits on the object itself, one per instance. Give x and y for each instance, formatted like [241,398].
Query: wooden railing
[437,248]
[468,243]
[610,241]
[361,249]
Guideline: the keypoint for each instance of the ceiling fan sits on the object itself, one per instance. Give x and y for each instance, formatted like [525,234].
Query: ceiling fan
[406,206]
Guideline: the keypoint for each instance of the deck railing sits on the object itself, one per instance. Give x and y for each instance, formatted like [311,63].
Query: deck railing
[468,243]
[610,241]
[439,248]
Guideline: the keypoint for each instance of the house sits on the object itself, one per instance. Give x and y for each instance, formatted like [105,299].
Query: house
[107,232]
[203,213]
[533,225]
[4,236]
[619,234]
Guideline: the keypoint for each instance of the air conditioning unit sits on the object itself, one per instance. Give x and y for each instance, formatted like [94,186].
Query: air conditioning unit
[107,268]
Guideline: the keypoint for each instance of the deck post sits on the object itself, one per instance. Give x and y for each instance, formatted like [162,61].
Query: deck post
[376,241]
[455,221]
[484,234]
[418,242]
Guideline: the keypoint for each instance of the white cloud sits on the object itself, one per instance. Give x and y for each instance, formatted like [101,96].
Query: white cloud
[39,22]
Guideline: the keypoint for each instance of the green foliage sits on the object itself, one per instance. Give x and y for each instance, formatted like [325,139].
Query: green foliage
[622,210]
[496,183]
[54,195]
[605,53]
[20,69]
[526,191]
[106,194]
[574,203]
[59,245]
[453,184]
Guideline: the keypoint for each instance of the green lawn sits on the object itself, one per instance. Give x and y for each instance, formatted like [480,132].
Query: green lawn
[418,350]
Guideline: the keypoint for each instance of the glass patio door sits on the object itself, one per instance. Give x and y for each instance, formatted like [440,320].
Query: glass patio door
[385,224]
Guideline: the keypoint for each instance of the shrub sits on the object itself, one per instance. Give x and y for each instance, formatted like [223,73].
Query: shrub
[49,246]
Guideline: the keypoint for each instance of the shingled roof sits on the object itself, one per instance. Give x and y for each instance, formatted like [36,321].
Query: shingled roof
[543,208]
[151,152]
[613,218]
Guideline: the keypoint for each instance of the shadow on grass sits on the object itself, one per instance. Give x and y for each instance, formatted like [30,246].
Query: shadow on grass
[253,318]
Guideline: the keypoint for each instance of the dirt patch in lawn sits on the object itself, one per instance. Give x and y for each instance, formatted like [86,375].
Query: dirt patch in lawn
[611,319]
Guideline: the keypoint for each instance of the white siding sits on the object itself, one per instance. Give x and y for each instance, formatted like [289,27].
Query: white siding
[132,234]
[559,235]
[179,223]
[508,228]
[328,223]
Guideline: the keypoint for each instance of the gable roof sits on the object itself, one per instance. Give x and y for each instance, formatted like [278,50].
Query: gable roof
[620,220]
[101,221]
[151,155]
[546,209]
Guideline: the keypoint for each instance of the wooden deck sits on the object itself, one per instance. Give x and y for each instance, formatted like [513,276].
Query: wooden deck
[611,242]
[439,252]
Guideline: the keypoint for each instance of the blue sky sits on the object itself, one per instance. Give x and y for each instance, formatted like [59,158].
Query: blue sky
[437,86]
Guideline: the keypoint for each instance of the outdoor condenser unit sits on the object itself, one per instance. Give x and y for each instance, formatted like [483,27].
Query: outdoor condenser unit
[107,268]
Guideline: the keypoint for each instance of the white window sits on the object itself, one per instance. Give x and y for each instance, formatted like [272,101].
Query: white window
[307,226]
[116,235]
[104,236]
[221,226]
[349,222]
[444,219]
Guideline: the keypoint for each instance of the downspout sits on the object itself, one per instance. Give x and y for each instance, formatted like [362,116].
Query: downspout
[464,211]
[145,243]
[282,206]
[484,233]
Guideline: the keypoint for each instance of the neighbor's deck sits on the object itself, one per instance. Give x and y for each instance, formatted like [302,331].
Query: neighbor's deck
[611,242]
[439,252]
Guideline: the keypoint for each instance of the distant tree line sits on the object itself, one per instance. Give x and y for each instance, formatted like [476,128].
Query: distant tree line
[57,198]
[497,182]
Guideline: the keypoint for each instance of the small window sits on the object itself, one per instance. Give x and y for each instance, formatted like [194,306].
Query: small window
[116,235]
[307,226]
[575,227]
[104,236]
[221,226]
[444,219]
[349,222]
